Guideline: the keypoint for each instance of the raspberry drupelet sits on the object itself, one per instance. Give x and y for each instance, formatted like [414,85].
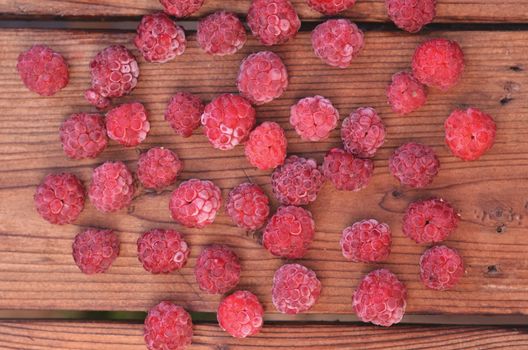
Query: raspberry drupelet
[162,251]
[83,135]
[183,113]
[273,21]
[168,327]
[241,314]
[366,241]
[221,33]
[112,187]
[314,118]
[94,250]
[266,146]
[347,172]
[330,7]
[217,269]
[181,8]
[441,268]
[296,289]
[411,15]
[363,132]
[405,93]
[414,164]
[158,168]
[248,206]
[128,124]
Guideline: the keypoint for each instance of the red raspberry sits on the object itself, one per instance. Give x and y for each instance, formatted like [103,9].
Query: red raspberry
[128,124]
[298,181]
[347,172]
[59,199]
[221,33]
[406,94]
[366,241]
[438,63]
[241,314]
[289,232]
[273,21]
[337,41]
[181,8]
[184,112]
[441,267]
[248,206]
[158,168]
[314,118]
[159,39]
[227,121]
[217,269]
[112,187]
[469,133]
[363,132]
[43,70]
[195,203]
[330,7]
[411,15]
[266,147]
[83,135]
[95,250]
[262,77]
[429,221]
[162,251]
[414,164]
[295,289]
[168,327]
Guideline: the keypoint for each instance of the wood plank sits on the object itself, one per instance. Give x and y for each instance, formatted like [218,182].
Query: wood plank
[36,268]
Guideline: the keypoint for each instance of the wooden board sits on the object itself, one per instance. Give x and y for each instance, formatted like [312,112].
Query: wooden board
[36,268]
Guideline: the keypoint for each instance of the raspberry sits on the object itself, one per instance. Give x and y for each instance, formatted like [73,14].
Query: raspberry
[128,124]
[262,77]
[441,267]
[366,241]
[168,327]
[217,269]
[438,63]
[337,41]
[411,15]
[95,250]
[314,118]
[159,39]
[195,203]
[429,221]
[221,33]
[414,164]
[330,7]
[406,94]
[266,146]
[241,314]
[158,168]
[181,8]
[289,232]
[363,132]
[298,181]
[83,135]
[248,206]
[162,251]
[59,199]
[469,133]
[295,289]
[347,172]
[184,112]
[43,70]
[112,187]
[273,21]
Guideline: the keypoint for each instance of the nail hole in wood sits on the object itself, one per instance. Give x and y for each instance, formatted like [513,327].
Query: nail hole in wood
[501,228]
[493,270]
[516,68]
[505,100]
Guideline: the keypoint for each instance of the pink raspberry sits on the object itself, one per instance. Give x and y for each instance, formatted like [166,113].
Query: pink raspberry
[262,77]
[330,7]
[184,112]
[248,206]
[469,133]
[429,221]
[181,8]
[95,250]
[414,164]
[347,172]
[295,289]
[59,199]
[168,327]
[158,168]
[221,33]
[337,42]
[217,269]
[195,203]
[441,267]
[227,121]
[438,63]
[112,187]
[159,39]
[363,132]
[298,181]
[406,94]
[366,241]
[162,251]
[266,146]
[43,70]
[83,135]
[128,124]
[273,21]
[241,314]
[411,15]
[314,118]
